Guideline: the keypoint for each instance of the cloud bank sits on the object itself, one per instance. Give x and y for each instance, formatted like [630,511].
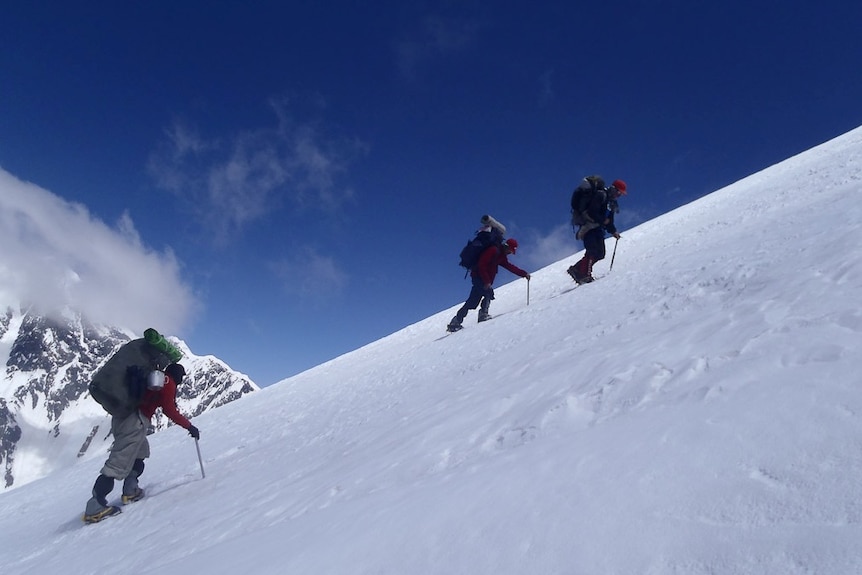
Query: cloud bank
[55,255]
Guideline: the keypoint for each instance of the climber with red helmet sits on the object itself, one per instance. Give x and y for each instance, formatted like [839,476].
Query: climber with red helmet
[593,209]
[482,275]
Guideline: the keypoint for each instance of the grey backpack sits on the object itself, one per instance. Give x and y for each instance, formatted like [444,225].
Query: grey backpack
[119,385]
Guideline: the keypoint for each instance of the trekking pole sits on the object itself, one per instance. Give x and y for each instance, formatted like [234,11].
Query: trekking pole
[614,255]
[528,292]
[200,460]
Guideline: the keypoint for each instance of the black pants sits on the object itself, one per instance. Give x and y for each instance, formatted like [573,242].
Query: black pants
[478,296]
[594,244]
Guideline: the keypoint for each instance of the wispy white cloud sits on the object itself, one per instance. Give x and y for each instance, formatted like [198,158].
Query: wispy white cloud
[437,36]
[236,180]
[311,275]
[56,254]
[541,250]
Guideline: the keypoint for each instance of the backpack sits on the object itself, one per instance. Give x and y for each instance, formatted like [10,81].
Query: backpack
[119,385]
[489,235]
[582,197]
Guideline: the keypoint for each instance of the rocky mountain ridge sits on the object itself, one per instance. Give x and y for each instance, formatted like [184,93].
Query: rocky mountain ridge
[48,419]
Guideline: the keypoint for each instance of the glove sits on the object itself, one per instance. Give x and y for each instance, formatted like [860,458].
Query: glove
[193,431]
[527,277]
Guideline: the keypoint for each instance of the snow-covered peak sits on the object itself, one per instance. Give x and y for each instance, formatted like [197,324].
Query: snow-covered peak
[47,418]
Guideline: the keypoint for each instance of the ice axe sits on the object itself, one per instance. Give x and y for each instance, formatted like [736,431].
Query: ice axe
[614,255]
[200,460]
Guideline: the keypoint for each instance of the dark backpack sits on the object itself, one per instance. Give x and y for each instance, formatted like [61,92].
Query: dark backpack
[474,248]
[583,197]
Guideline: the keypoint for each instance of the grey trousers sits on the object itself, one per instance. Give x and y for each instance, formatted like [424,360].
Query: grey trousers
[130,443]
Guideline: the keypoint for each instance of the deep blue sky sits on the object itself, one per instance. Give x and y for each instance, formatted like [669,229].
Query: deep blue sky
[315,167]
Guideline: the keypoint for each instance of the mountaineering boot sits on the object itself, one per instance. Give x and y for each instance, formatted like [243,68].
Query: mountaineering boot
[581,271]
[131,491]
[97,507]
[103,513]
[579,277]
[483,310]
[133,496]
[456,322]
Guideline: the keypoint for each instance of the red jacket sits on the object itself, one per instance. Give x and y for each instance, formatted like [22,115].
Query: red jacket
[166,398]
[486,267]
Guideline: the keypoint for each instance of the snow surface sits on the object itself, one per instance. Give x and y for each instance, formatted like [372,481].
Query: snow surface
[695,411]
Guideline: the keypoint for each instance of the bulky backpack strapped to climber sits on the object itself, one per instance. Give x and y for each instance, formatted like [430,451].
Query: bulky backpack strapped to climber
[119,385]
[582,197]
[491,233]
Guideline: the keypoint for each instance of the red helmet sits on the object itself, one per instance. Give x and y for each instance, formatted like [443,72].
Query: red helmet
[620,185]
[512,243]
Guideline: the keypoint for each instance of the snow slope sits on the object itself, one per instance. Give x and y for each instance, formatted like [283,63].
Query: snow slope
[695,411]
